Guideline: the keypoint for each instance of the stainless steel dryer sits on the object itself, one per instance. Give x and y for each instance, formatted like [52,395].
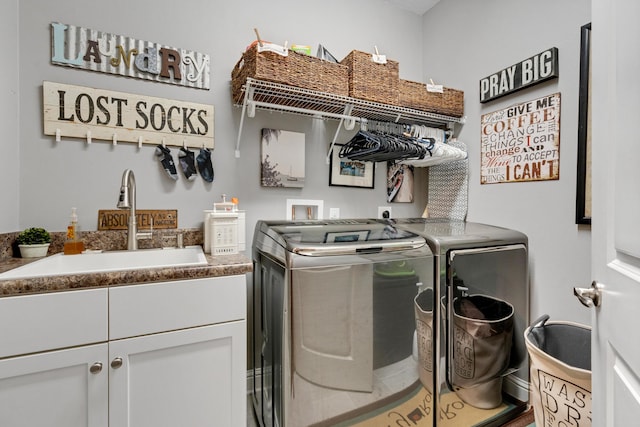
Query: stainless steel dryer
[479,310]
[334,326]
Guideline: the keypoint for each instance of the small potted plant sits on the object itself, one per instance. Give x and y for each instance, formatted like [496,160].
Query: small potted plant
[34,242]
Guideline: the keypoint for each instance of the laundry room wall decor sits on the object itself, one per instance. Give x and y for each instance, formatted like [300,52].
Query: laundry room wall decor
[83,112]
[529,72]
[282,162]
[521,142]
[94,50]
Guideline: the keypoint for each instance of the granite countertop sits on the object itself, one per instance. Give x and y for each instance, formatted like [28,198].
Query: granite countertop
[225,265]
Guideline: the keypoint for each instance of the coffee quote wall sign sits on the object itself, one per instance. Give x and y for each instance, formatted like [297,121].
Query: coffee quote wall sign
[521,142]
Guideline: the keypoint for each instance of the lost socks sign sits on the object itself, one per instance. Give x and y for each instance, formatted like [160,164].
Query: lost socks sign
[88,49]
[82,112]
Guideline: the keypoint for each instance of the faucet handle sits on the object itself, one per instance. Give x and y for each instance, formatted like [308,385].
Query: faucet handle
[169,239]
[146,235]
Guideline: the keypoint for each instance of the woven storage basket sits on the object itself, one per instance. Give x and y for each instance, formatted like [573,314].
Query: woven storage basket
[415,95]
[295,69]
[371,81]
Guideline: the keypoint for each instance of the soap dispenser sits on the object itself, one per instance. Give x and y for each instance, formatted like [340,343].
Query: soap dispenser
[73,245]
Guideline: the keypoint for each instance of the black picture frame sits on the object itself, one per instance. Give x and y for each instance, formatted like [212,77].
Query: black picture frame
[583,185]
[363,176]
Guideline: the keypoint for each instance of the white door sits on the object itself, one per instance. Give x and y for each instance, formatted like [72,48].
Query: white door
[65,388]
[616,212]
[191,377]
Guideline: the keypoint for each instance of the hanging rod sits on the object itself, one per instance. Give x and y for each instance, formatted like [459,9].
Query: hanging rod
[269,96]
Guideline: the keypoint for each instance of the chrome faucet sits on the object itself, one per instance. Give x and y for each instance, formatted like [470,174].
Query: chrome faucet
[127,200]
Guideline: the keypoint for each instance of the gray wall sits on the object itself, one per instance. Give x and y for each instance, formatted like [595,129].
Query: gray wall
[9,142]
[465,41]
[456,43]
[70,173]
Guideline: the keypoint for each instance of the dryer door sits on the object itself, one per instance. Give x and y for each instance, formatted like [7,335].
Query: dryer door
[486,313]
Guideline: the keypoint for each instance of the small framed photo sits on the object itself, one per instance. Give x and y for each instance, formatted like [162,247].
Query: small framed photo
[350,173]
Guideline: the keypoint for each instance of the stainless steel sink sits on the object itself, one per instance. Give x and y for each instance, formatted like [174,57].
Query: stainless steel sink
[99,262]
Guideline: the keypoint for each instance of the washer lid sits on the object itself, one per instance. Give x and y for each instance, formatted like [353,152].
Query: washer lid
[337,237]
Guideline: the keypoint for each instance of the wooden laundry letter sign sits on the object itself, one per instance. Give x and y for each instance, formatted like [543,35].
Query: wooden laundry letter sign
[531,71]
[83,112]
[88,49]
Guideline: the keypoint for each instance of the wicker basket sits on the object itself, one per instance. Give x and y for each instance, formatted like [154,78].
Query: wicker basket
[371,81]
[415,95]
[295,69]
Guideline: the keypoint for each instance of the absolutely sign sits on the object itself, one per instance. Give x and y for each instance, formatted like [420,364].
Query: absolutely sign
[529,72]
[83,112]
[146,219]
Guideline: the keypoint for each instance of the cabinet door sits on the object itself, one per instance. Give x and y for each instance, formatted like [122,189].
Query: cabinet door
[191,377]
[55,389]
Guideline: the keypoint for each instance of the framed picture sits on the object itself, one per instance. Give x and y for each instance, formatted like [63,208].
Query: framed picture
[282,158]
[399,183]
[583,186]
[350,173]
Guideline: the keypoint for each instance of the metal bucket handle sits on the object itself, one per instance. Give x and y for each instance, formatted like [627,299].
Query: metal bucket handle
[540,321]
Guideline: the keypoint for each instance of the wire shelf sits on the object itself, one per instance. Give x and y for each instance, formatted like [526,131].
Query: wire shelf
[263,95]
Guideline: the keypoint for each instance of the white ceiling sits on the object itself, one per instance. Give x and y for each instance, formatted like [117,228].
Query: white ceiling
[416,6]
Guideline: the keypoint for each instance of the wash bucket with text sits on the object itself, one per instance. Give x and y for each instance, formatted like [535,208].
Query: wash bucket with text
[482,341]
[560,355]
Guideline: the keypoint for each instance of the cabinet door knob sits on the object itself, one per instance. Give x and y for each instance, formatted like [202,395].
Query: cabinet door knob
[96,368]
[116,363]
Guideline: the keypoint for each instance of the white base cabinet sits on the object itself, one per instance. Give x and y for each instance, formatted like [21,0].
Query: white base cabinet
[157,369]
[55,389]
[194,377]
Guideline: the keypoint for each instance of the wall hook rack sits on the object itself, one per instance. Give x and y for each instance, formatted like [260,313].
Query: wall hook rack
[70,111]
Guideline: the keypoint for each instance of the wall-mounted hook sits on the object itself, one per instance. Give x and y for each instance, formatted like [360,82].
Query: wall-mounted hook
[184,144]
[88,137]
[115,139]
[139,142]
[57,135]
[163,144]
[377,58]
[349,124]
